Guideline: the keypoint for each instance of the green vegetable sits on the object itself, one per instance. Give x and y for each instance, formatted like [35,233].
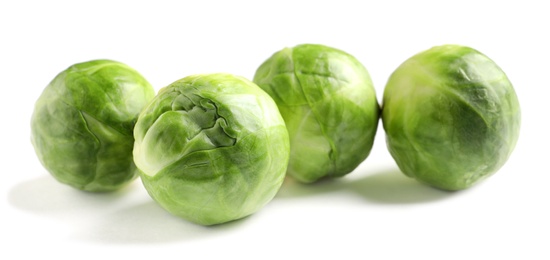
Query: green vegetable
[211,148]
[451,117]
[329,105]
[83,122]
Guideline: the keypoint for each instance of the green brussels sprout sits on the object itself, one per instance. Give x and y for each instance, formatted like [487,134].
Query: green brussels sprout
[329,105]
[211,148]
[82,125]
[451,117]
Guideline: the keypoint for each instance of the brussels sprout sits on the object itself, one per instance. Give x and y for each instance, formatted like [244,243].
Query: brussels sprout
[211,148]
[451,117]
[82,125]
[329,105]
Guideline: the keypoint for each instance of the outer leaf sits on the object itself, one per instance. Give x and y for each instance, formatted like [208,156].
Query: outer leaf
[82,124]
[451,116]
[328,102]
[211,148]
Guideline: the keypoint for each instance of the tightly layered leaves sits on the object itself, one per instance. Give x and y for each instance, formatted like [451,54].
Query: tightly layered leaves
[328,102]
[451,116]
[211,148]
[82,124]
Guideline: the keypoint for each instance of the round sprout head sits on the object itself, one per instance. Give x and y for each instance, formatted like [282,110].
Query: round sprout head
[451,117]
[83,122]
[328,102]
[211,148]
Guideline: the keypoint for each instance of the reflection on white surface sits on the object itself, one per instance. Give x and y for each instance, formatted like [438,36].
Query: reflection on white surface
[387,186]
[44,195]
[128,216]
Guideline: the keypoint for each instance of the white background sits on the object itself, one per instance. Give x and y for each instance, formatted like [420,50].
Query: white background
[373,213]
